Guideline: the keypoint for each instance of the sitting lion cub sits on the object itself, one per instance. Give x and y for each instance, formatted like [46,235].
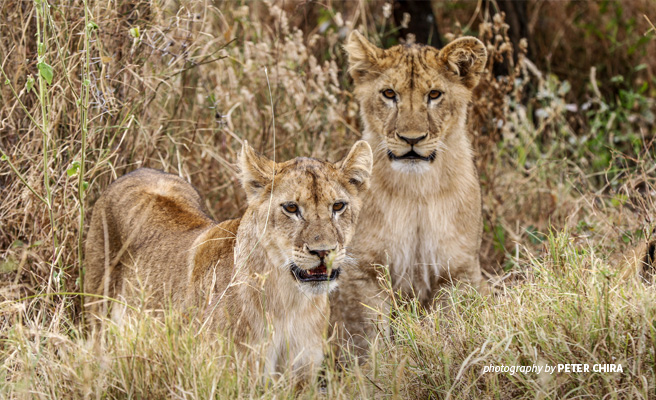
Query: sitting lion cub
[264,277]
[422,217]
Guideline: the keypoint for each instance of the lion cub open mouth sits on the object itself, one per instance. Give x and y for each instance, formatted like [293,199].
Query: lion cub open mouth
[412,155]
[155,228]
[317,274]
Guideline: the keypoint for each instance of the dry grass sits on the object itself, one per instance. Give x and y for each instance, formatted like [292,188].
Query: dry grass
[179,85]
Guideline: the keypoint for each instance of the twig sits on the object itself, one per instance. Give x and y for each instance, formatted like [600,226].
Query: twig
[653,28]
[192,66]
[593,82]
[99,296]
[84,106]
[13,91]
[5,157]
[41,11]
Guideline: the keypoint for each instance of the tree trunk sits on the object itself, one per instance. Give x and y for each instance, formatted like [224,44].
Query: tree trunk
[422,21]
[517,17]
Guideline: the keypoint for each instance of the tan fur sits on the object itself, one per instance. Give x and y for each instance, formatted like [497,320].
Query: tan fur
[150,231]
[637,262]
[421,218]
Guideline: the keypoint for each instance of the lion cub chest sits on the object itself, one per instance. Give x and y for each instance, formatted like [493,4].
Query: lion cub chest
[413,240]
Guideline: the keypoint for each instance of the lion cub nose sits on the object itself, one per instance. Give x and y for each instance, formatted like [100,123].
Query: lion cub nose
[411,141]
[321,253]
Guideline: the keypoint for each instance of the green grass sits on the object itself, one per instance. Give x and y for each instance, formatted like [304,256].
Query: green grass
[571,307]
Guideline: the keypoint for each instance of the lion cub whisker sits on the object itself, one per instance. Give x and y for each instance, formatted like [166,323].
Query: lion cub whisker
[262,279]
[422,219]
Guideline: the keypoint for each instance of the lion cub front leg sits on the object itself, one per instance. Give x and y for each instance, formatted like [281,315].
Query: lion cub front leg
[359,314]
[461,270]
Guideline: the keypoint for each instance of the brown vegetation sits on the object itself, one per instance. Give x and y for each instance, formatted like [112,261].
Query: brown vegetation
[564,147]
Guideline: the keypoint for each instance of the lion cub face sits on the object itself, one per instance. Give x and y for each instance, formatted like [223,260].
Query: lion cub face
[306,211]
[413,95]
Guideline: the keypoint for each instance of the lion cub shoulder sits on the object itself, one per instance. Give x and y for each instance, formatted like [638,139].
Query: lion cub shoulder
[422,218]
[150,233]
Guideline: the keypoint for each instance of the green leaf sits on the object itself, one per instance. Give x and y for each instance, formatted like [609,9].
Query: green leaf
[617,79]
[92,26]
[619,199]
[499,238]
[4,158]
[45,71]
[534,235]
[11,265]
[134,32]
[85,186]
[564,88]
[29,84]
[73,169]
[36,244]
[640,67]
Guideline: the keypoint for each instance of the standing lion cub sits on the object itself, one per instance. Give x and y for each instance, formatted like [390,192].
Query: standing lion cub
[422,216]
[264,277]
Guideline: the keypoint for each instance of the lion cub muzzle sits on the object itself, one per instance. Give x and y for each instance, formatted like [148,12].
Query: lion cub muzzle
[324,270]
[410,146]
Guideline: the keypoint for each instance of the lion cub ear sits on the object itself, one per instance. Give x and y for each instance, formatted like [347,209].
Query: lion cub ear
[357,165]
[466,58]
[256,171]
[363,56]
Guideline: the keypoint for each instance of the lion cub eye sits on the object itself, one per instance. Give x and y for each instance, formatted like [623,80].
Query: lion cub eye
[434,94]
[339,206]
[291,208]
[389,94]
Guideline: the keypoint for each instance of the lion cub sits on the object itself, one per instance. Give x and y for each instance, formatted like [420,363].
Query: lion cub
[422,217]
[264,277]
